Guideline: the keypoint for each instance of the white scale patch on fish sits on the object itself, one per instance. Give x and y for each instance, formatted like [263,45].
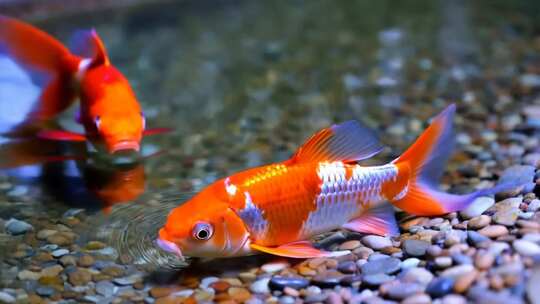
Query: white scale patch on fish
[253,218]
[340,199]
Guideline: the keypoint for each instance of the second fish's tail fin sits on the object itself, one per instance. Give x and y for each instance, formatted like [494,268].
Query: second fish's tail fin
[36,64]
[425,161]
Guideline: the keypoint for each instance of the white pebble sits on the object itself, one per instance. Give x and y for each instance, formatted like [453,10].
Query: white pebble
[524,247]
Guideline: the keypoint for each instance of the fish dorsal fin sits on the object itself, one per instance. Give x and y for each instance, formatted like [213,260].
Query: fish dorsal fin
[88,44]
[349,141]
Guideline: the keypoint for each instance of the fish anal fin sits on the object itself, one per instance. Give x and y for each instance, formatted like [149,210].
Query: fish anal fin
[61,135]
[349,141]
[378,220]
[299,250]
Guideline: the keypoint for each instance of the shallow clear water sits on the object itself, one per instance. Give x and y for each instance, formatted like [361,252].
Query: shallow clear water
[243,83]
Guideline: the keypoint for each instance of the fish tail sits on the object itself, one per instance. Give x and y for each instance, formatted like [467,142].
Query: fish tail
[424,162]
[27,53]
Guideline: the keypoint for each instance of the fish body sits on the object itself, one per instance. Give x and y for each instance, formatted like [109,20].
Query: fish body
[278,208]
[40,78]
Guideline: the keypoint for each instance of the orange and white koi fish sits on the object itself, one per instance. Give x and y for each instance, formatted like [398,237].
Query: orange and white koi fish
[279,207]
[40,77]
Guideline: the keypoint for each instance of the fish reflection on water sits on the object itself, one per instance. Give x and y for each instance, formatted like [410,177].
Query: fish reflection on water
[78,179]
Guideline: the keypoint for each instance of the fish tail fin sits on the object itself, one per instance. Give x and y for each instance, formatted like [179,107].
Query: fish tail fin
[424,162]
[31,60]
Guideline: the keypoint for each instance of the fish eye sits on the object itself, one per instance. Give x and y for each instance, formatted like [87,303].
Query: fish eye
[203,231]
[97,121]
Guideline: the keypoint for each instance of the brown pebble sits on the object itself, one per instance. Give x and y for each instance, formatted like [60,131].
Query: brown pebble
[306,271]
[350,245]
[496,282]
[43,257]
[35,299]
[113,271]
[291,291]
[59,239]
[493,231]
[138,285]
[94,245]
[314,263]
[170,300]
[239,294]
[79,277]
[247,277]
[464,281]
[220,286]
[484,260]
[479,222]
[86,260]
[159,292]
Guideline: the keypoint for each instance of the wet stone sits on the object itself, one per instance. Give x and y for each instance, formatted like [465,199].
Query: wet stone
[417,299]
[347,267]
[350,280]
[106,288]
[440,287]
[376,279]
[68,260]
[401,291]
[415,248]
[327,280]
[85,260]
[260,286]
[376,242]
[280,282]
[385,265]
[129,280]
[59,253]
[493,231]
[274,267]
[17,227]
[479,222]
[477,207]
[79,277]
[416,274]
[6,298]
[239,294]
[350,245]
[526,248]
[45,291]
[476,238]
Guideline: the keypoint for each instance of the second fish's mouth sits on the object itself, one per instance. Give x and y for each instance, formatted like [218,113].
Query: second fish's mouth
[169,247]
[125,145]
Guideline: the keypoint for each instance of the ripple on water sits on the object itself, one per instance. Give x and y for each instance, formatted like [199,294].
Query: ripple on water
[131,229]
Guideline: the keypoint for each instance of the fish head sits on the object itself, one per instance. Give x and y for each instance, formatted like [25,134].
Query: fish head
[110,109]
[204,227]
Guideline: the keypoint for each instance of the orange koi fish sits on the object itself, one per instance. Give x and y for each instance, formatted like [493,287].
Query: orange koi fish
[279,207]
[40,77]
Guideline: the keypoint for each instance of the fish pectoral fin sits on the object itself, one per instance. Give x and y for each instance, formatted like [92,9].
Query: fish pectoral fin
[155,131]
[299,250]
[347,142]
[61,135]
[379,220]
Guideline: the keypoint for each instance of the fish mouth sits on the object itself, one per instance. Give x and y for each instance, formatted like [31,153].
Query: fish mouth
[126,145]
[169,247]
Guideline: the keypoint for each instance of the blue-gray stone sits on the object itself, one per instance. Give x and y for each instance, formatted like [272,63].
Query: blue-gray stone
[385,265]
[106,288]
[17,227]
[45,291]
[279,282]
[440,286]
